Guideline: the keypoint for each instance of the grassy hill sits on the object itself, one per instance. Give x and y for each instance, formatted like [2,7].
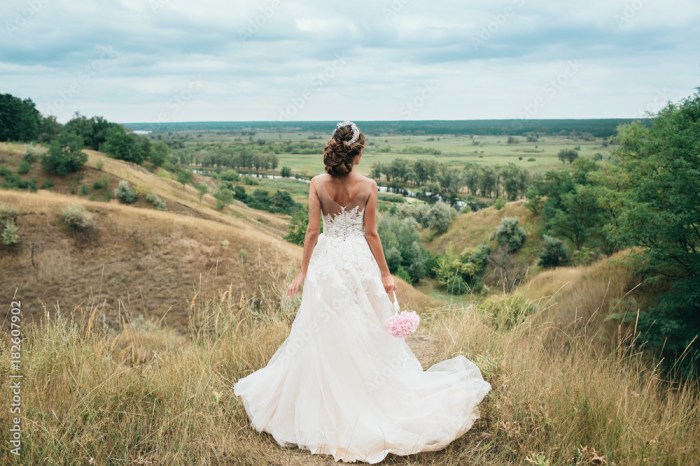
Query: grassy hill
[140,260]
[106,385]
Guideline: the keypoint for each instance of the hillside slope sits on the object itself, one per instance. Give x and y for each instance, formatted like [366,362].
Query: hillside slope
[142,261]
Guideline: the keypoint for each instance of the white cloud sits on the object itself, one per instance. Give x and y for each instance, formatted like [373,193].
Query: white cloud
[257,60]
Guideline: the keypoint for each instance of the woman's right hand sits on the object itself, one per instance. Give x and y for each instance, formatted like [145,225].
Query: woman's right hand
[389,284]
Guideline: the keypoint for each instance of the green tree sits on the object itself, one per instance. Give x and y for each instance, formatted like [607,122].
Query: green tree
[184,176]
[202,189]
[19,119]
[567,155]
[510,234]
[440,217]
[661,214]
[65,154]
[159,153]
[124,146]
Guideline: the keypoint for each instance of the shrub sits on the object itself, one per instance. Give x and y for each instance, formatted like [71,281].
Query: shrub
[157,202]
[510,234]
[125,193]
[8,213]
[65,155]
[508,310]
[531,159]
[10,234]
[440,216]
[229,175]
[553,253]
[100,164]
[101,183]
[297,227]
[84,190]
[401,241]
[47,184]
[77,218]
[24,167]
[223,198]
[499,203]
[463,273]
[286,172]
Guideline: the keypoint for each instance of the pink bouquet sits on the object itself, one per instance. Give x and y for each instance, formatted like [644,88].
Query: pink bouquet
[402,323]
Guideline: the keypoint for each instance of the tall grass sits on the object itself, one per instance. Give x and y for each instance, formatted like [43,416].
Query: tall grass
[145,394]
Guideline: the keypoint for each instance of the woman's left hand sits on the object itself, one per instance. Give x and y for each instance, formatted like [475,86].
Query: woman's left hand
[296,284]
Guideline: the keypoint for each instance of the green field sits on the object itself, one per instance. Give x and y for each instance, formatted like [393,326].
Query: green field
[454,149]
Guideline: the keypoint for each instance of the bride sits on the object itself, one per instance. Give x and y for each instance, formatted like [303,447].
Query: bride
[341,384]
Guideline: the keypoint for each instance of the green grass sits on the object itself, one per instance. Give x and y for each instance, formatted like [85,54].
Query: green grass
[455,150]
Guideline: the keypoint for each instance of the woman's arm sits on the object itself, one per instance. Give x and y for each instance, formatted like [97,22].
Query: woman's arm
[373,240]
[312,231]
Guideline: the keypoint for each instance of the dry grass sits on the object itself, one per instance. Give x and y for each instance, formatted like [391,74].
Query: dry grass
[135,261]
[147,395]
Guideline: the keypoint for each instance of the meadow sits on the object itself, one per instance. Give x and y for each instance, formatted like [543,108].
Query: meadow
[455,150]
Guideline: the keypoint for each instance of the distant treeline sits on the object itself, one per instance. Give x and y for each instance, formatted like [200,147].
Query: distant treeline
[597,127]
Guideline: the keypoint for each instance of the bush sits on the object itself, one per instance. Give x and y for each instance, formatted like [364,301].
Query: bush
[24,167]
[157,202]
[223,198]
[229,175]
[297,227]
[65,155]
[553,253]
[47,184]
[463,273]
[508,310]
[125,193]
[440,216]
[510,234]
[10,234]
[77,218]
[286,172]
[101,183]
[84,190]
[499,203]
[8,213]
[401,243]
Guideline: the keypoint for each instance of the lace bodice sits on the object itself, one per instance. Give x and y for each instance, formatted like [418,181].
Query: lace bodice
[343,221]
[345,224]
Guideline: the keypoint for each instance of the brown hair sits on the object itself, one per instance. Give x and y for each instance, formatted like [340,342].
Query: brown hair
[338,154]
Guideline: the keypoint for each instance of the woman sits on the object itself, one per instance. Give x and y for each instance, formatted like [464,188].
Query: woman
[341,384]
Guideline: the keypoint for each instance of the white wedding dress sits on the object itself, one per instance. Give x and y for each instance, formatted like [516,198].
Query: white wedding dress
[341,384]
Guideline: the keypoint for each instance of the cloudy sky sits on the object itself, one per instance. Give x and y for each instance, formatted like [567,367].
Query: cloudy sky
[173,60]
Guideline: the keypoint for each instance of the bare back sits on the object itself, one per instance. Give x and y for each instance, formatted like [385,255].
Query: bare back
[338,194]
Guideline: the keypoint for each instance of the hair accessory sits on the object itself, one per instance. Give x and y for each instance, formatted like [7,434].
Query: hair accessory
[355,130]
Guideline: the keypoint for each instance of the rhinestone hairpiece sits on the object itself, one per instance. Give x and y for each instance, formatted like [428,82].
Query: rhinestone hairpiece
[355,130]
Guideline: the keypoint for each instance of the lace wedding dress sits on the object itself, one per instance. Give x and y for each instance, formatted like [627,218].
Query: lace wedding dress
[341,384]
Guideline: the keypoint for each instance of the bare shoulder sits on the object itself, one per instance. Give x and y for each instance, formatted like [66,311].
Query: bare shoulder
[321,177]
[370,182]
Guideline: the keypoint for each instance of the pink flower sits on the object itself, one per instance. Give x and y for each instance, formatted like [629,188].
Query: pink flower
[403,324]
